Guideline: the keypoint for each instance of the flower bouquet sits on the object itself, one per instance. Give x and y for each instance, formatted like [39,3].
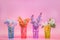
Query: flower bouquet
[23,25]
[47,27]
[11,24]
[36,25]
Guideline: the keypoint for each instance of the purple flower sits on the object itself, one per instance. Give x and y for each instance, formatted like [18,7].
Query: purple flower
[36,23]
[10,22]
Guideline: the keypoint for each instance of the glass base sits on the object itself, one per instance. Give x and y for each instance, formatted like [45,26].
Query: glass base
[35,33]
[23,32]
[47,34]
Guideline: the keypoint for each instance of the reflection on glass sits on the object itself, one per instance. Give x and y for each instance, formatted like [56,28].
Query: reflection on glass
[11,39]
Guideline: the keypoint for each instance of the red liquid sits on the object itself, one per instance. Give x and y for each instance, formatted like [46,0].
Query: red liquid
[24,32]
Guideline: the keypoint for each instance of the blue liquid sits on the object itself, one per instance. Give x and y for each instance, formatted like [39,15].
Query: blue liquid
[11,32]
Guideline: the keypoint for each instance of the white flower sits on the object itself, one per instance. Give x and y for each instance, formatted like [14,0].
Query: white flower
[44,24]
[52,21]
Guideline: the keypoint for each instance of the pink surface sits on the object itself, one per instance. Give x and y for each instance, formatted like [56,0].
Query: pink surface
[25,8]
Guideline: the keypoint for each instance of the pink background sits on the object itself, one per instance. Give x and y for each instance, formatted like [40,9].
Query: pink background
[25,8]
